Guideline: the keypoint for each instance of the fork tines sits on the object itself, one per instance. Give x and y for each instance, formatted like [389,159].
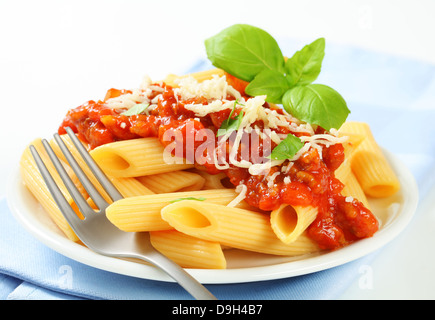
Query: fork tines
[78,198]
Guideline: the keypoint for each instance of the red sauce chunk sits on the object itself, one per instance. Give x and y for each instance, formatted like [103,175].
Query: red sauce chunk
[307,181]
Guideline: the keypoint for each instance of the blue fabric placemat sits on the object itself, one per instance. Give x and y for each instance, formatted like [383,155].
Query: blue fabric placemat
[396,96]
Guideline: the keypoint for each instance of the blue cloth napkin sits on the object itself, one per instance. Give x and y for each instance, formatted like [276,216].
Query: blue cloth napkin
[30,270]
[396,96]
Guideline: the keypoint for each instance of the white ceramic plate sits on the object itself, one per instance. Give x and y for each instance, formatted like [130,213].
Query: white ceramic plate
[394,213]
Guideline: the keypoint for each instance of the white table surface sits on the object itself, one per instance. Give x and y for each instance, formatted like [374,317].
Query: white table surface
[55,55]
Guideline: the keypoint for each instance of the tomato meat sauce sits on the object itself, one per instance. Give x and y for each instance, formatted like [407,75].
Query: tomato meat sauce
[307,181]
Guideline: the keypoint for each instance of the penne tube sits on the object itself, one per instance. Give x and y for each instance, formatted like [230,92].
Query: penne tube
[369,164]
[353,141]
[135,158]
[128,187]
[142,213]
[173,181]
[70,171]
[36,184]
[187,251]
[233,227]
[212,181]
[352,187]
[289,222]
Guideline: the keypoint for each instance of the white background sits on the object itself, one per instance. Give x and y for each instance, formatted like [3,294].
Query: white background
[55,55]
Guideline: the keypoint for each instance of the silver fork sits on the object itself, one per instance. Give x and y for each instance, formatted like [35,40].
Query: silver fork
[95,230]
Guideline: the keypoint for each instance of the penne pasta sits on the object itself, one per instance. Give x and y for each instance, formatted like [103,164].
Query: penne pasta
[289,222]
[128,187]
[134,158]
[36,184]
[233,227]
[187,251]
[212,181]
[352,187]
[142,213]
[369,164]
[353,141]
[173,181]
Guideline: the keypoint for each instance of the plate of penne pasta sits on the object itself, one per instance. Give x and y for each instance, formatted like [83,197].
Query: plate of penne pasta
[394,214]
[244,172]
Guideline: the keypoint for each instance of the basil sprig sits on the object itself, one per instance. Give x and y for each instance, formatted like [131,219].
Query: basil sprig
[305,65]
[188,198]
[287,148]
[136,109]
[316,104]
[230,124]
[244,51]
[253,55]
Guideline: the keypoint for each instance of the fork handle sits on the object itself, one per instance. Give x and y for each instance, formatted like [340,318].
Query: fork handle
[189,283]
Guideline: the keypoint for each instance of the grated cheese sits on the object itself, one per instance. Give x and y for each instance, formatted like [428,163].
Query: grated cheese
[271,179]
[241,189]
[216,88]
[317,140]
[348,199]
[201,110]
[221,96]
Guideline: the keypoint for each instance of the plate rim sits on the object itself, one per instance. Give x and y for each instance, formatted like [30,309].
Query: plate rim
[312,264]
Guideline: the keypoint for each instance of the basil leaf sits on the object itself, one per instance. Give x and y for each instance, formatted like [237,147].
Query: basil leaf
[137,109]
[305,65]
[268,82]
[316,104]
[187,198]
[230,124]
[287,148]
[244,51]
